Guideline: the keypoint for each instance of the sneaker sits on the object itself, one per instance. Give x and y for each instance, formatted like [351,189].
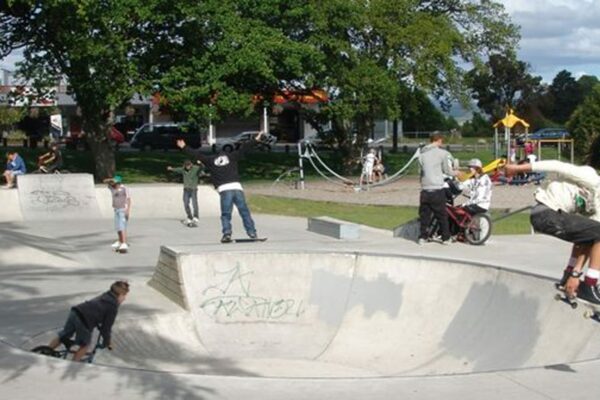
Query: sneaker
[116,245]
[187,221]
[226,238]
[589,293]
[195,220]
[446,242]
[123,247]
[560,285]
[421,241]
[252,235]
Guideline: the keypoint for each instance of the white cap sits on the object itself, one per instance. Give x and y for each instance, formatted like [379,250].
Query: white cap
[475,163]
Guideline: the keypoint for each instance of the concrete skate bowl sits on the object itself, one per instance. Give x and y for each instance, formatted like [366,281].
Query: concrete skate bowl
[349,315]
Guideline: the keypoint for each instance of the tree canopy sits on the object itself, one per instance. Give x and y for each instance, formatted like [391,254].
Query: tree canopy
[212,58]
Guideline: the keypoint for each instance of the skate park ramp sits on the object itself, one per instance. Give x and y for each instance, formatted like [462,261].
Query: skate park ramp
[348,315]
[57,197]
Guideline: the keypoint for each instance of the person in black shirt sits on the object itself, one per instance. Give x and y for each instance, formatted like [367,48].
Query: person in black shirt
[99,312]
[223,169]
[50,161]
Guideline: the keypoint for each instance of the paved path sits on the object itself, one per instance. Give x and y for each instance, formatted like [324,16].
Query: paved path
[404,192]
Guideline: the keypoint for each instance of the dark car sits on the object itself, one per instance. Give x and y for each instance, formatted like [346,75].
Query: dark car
[165,136]
[545,134]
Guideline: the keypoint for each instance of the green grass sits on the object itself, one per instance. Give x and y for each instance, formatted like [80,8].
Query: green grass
[383,217]
[150,167]
[147,167]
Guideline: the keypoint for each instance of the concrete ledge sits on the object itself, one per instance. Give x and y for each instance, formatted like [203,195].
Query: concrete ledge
[74,196]
[160,201]
[334,227]
[167,278]
[409,230]
[57,197]
[10,210]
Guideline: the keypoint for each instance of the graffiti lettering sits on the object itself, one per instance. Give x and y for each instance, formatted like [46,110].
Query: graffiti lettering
[233,297]
[54,198]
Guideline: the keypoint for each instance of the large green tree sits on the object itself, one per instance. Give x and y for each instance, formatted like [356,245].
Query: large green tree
[97,46]
[584,123]
[373,49]
[503,82]
[231,56]
[566,95]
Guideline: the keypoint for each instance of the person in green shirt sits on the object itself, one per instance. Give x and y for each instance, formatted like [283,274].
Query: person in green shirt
[190,173]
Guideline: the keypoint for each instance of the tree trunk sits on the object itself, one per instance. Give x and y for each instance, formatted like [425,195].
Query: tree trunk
[103,153]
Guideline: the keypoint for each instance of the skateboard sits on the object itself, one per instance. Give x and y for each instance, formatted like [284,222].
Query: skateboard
[121,251]
[248,240]
[189,224]
[592,311]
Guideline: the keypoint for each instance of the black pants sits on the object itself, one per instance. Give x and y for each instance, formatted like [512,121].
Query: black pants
[568,227]
[433,202]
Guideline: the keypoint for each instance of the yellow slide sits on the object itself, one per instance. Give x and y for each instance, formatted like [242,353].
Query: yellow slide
[498,163]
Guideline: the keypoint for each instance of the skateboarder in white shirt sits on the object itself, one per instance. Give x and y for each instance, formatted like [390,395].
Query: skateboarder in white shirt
[569,209]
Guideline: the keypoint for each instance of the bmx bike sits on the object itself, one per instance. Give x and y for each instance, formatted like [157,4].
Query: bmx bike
[464,227]
[44,170]
[68,347]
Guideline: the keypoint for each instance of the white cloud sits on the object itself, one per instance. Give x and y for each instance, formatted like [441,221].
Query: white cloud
[558,34]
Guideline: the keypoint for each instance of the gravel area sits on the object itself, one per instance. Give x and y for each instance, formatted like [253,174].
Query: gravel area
[404,192]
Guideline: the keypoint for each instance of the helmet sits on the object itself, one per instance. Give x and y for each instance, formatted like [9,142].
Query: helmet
[117,179]
[475,163]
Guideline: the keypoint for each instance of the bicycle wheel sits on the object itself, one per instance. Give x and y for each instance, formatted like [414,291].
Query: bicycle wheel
[46,351]
[479,229]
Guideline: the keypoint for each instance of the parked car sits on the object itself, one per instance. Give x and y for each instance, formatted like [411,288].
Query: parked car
[234,142]
[544,133]
[165,136]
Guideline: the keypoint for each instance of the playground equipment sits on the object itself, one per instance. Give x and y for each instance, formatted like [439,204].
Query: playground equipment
[307,151]
[509,122]
[498,163]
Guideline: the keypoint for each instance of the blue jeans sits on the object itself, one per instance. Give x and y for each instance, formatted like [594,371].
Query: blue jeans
[228,199]
[74,325]
[190,195]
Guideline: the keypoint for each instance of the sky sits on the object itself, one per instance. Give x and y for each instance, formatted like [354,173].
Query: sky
[555,35]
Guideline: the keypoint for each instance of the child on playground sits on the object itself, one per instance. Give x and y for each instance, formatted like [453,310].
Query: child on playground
[99,312]
[479,187]
[190,173]
[223,169]
[569,209]
[15,166]
[121,202]
[368,163]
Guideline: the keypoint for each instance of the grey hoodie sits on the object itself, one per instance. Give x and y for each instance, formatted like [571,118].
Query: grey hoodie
[436,164]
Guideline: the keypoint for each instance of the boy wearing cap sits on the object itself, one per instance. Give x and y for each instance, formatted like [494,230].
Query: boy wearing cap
[479,187]
[190,173]
[121,202]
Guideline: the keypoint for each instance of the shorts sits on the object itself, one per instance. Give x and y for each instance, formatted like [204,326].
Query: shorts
[120,220]
[16,173]
[74,325]
[572,228]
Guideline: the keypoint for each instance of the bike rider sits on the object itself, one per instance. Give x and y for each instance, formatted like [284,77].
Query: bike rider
[479,187]
[52,160]
[99,312]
